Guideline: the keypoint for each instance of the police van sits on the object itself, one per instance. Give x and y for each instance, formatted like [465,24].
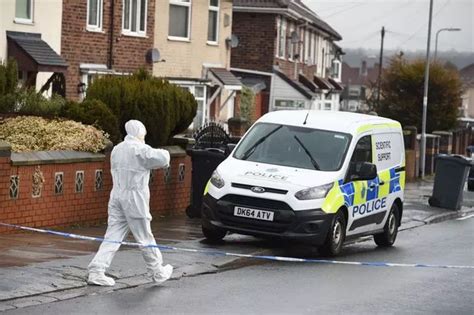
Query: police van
[317,177]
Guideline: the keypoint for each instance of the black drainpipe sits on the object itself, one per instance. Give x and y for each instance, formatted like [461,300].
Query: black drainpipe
[111,41]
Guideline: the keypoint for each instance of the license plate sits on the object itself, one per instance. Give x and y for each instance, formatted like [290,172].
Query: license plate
[253,213]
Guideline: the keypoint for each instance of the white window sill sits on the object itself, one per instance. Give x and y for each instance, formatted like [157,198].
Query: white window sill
[130,34]
[212,43]
[94,30]
[179,39]
[23,21]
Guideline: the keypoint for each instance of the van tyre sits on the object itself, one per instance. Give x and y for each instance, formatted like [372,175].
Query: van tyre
[213,235]
[390,230]
[337,233]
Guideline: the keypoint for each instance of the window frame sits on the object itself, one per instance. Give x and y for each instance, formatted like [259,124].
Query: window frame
[217,10]
[281,46]
[187,4]
[100,16]
[138,32]
[23,20]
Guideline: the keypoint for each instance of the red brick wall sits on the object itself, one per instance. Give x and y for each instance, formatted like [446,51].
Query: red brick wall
[257,34]
[88,207]
[81,46]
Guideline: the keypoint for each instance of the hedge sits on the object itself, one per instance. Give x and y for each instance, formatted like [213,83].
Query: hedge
[164,108]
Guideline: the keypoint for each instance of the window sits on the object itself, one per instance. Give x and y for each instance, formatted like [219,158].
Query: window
[213,26]
[24,11]
[294,146]
[315,47]
[281,38]
[363,151]
[134,17]
[290,45]
[199,92]
[301,58]
[179,20]
[289,104]
[79,184]
[58,183]
[327,106]
[308,46]
[94,15]
[336,69]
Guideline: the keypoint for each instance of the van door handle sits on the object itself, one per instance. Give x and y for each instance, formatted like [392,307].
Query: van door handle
[381,183]
[372,186]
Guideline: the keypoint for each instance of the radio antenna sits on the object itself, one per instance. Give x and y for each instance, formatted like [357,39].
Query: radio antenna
[306,118]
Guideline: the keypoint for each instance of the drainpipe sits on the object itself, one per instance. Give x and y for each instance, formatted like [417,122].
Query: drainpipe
[111,40]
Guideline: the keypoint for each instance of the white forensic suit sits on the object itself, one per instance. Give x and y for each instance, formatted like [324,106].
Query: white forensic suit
[128,209]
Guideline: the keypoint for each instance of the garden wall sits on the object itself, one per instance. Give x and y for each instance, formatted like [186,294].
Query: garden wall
[59,188]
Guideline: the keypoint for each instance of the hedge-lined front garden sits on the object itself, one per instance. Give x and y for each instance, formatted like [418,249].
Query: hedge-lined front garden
[164,108]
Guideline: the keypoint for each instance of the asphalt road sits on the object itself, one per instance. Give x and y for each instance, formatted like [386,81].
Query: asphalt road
[299,288]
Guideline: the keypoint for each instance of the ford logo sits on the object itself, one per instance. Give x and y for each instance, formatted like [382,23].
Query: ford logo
[258,190]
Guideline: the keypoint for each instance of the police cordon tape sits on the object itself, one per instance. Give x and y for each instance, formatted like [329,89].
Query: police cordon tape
[221,253]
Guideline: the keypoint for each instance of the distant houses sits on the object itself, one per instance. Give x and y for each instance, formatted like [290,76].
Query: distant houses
[281,49]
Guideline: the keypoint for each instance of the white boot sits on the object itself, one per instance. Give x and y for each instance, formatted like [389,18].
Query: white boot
[100,279]
[163,275]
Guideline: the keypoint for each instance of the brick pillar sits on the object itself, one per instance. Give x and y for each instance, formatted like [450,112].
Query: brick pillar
[445,141]
[237,126]
[5,154]
[409,137]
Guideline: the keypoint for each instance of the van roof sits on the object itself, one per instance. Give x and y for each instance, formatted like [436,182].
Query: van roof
[327,120]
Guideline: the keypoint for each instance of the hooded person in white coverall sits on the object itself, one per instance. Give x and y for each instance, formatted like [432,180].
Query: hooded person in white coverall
[131,162]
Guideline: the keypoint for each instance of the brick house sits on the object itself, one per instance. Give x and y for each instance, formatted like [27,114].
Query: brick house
[289,53]
[358,86]
[31,34]
[105,37]
[467,77]
[193,40]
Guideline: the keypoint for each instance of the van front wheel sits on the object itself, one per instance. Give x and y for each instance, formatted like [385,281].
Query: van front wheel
[336,236]
[390,230]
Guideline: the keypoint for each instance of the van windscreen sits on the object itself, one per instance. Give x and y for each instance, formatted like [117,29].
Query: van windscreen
[294,147]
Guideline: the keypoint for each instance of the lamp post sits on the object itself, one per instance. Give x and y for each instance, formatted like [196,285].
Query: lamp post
[425,94]
[448,29]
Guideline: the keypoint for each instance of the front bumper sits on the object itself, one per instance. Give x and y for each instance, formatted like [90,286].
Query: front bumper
[307,226]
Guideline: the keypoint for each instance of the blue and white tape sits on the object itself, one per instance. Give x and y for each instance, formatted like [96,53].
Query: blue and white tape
[221,253]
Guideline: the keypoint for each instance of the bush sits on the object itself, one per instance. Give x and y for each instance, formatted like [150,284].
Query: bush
[38,134]
[247,105]
[29,102]
[165,109]
[8,86]
[93,112]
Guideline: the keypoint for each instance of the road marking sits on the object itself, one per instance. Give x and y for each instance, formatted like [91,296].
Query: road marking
[465,217]
[221,253]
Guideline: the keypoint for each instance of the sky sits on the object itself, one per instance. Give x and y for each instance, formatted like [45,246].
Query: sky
[406,22]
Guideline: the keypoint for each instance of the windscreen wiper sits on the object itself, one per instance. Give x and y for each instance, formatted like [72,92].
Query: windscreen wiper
[313,161]
[251,150]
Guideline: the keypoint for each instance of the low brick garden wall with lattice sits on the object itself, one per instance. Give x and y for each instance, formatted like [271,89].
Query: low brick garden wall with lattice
[62,188]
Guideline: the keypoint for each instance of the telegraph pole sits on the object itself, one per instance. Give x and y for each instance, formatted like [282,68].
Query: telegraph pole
[425,95]
[380,66]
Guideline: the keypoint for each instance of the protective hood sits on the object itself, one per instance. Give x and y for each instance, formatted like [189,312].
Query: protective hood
[135,129]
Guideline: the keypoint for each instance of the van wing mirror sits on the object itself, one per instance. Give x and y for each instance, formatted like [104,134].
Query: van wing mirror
[363,171]
[230,147]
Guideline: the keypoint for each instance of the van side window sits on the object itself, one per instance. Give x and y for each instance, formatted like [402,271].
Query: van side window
[363,151]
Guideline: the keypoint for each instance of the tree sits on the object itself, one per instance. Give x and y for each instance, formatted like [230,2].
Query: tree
[402,94]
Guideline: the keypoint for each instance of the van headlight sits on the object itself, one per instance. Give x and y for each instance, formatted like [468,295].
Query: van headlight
[317,192]
[217,180]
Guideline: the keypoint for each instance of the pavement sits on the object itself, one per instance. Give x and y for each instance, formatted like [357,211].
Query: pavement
[40,268]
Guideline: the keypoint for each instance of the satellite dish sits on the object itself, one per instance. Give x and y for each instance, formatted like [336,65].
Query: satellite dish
[153,56]
[295,39]
[232,41]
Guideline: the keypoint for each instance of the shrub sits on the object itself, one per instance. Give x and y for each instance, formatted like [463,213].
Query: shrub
[93,112]
[165,109]
[8,86]
[247,105]
[29,102]
[40,134]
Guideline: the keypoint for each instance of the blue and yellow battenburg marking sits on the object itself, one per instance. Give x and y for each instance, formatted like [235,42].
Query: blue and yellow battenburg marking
[345,194]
